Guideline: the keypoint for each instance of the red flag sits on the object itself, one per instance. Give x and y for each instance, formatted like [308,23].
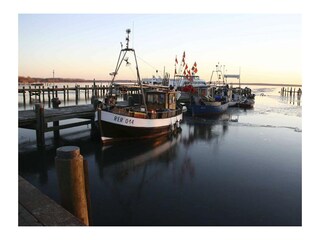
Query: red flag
[183,56]
[195,70]
[195,64]
[186,66]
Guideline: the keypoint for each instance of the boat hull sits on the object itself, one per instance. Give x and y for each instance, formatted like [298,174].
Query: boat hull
[116,127]
[207,110]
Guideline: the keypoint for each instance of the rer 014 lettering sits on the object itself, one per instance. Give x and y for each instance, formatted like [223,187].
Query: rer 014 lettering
[121,120]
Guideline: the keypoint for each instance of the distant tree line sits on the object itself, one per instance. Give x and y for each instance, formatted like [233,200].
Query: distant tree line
[22,79]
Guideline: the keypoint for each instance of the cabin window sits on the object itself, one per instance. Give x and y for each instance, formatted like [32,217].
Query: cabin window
[171,98]
[161,99]
[156,98]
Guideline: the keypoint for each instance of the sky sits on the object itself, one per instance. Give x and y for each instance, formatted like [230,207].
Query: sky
[264,48]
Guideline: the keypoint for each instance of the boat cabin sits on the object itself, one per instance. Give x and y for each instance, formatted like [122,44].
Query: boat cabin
[157,100]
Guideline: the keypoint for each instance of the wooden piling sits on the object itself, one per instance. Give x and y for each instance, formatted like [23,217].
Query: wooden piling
[24,96]
[40,129]
[43,99]
[64,93]
[68,92]
[56,133]
[72,182]
[76,92]
[49,97]
[30,94]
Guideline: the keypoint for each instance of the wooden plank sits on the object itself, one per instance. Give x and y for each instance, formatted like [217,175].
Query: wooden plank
[36,209]
[69,125]
[27,118]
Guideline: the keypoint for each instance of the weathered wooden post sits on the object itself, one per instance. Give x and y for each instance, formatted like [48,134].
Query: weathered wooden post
[55,104]
[43,94]
[76,92]
[24,96]
[39,109]
[49,97]
[64,93]
[68,92]
[30,94]
[73,182]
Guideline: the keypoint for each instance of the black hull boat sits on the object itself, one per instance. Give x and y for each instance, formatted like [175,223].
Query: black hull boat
[155,115]
[115,127]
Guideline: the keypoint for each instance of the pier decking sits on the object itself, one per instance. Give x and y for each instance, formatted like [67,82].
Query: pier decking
[39,118]
[37,209]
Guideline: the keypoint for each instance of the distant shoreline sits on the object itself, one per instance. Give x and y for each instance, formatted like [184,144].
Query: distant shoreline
[24,80]
[273,84]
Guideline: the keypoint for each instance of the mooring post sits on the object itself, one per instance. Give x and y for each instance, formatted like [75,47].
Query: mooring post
[73,182]
[49,97]
[30,94]
[55,104]
[43,94]
[76,92]
[38,93]
[64,93]
[24,96]
[68,92]
[39,109]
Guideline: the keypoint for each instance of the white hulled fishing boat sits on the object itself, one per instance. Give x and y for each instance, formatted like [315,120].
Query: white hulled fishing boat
[150,113]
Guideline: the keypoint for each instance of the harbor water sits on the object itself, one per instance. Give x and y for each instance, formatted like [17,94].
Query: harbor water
[242,168]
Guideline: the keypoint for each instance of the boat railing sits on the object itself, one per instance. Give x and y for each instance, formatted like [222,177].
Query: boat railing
[151,114]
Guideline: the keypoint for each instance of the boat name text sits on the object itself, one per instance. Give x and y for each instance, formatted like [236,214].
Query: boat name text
[121,120]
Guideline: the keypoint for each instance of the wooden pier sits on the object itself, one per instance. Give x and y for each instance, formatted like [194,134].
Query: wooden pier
[39,118]
[37,209]
[42,94]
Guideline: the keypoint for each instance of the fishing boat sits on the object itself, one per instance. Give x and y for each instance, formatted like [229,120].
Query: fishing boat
[243,97]
[199,102]
[206,106]
[151,113]
[195,92]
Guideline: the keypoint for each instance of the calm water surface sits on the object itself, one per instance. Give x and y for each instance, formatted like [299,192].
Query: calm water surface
[240,169]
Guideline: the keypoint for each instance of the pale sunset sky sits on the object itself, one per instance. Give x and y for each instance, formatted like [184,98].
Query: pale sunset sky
[265,46]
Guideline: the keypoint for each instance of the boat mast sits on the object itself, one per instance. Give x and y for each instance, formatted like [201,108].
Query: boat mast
[122,55]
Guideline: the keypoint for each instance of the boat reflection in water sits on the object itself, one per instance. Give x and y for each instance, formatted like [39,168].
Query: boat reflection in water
[119,160]
[206,129]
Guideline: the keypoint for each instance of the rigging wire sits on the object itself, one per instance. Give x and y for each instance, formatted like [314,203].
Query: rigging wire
[147,63]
